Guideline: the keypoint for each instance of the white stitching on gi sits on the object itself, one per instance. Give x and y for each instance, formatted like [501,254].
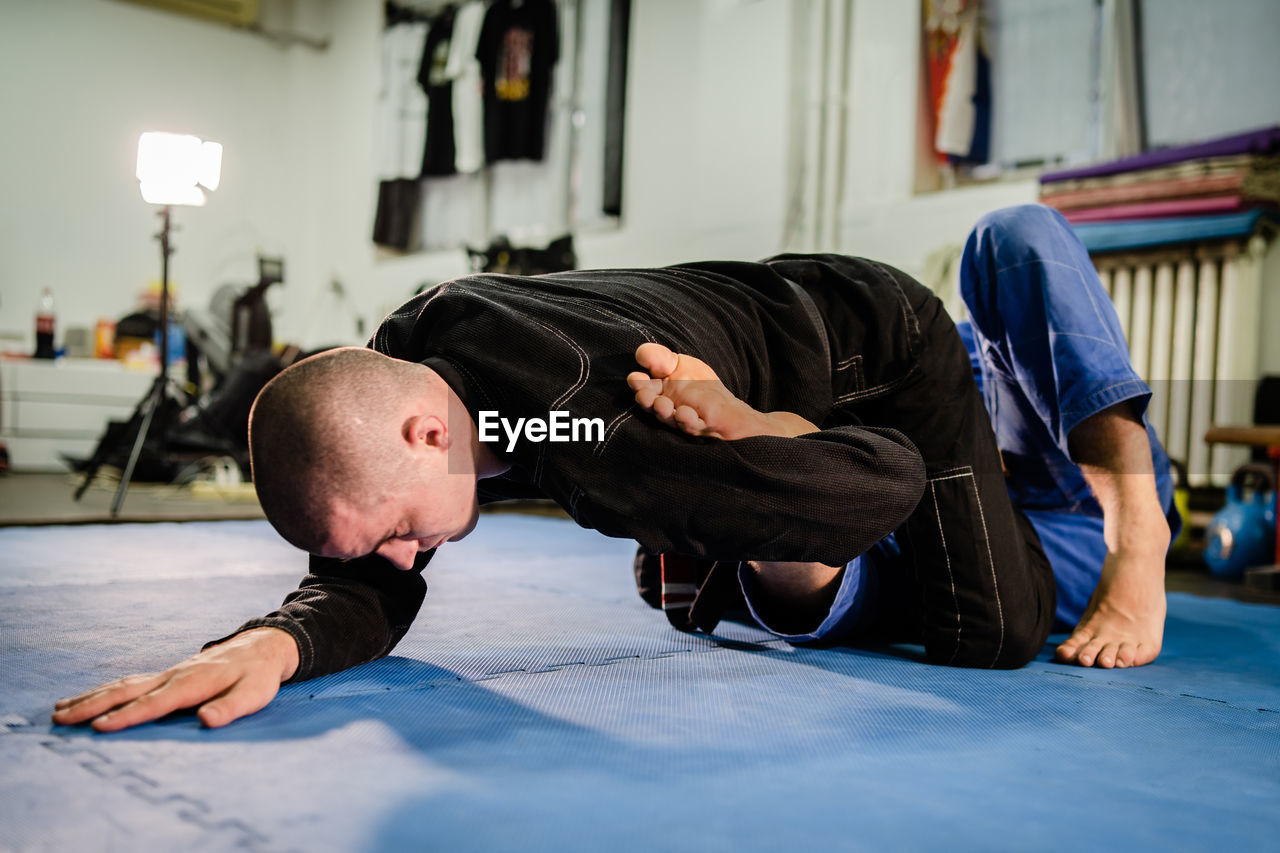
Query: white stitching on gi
[942,536]
[951,476]
[982,516]
[479,386]
[879,389]
[911,322]
[611,429]
[859,379]
[584,371]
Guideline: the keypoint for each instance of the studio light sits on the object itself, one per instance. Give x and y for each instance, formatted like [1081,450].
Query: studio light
[175,168]
[172,169]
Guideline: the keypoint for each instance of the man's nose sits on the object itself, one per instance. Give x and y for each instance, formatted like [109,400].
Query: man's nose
[401,553]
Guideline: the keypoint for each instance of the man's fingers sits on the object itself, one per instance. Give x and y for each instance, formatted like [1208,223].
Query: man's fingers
[242,699]
[91,703]
[180,691]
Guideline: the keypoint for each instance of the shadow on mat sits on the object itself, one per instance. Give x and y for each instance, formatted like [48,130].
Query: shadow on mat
[435,709]
[429,707]
[691,713]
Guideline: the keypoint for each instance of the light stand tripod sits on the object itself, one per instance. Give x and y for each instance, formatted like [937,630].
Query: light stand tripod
[153,399]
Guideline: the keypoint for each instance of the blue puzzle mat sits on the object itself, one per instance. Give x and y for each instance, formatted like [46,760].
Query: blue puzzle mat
[539,704]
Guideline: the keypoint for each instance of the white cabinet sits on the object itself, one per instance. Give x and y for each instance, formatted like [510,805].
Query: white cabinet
[52,407]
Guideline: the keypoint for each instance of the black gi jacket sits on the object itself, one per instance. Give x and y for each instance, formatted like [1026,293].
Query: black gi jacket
[807,334]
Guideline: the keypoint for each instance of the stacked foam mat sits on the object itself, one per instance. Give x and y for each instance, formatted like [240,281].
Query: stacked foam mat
[1210,190]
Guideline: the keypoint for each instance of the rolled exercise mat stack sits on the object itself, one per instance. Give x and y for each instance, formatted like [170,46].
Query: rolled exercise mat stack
[1169,231]
[1229,175]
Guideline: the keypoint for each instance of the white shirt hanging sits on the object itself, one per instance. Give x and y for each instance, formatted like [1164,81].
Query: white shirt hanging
[468,102]
[401,113]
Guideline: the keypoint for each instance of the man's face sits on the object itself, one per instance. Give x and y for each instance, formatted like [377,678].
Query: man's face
[417,516]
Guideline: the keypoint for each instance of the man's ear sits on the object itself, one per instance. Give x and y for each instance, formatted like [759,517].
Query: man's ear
[424,430]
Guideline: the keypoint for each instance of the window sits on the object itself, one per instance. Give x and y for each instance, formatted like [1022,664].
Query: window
[1075,81]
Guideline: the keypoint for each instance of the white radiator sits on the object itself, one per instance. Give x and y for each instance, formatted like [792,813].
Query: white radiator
[1193,318]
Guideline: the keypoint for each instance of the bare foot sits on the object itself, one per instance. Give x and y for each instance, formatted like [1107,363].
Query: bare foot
[1124,622]
[684,393]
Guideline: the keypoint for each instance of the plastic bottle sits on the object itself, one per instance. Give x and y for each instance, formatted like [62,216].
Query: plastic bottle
[46,320]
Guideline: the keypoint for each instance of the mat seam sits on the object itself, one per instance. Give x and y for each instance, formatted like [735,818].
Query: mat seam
[1160,691]
[772,645]
[140,786]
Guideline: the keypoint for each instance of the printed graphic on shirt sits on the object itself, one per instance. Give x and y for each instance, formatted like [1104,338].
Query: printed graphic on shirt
[438,74]
[514,65]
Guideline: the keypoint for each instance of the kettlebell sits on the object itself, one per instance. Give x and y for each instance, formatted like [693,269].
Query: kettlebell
[1242,534]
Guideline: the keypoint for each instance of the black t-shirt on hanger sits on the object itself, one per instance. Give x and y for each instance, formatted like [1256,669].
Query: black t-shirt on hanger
[438,152]
[518,48]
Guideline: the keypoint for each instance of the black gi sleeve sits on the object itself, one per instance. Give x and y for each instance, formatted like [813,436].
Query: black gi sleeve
[345,613]
[826,496]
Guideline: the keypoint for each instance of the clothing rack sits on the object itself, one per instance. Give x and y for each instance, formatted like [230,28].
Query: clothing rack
[422,12]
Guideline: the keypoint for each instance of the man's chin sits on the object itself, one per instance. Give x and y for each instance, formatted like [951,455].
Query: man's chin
[463,534]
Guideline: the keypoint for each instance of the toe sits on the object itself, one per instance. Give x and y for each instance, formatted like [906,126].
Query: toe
[1089,654]
[689,420]
[659,360]
[1145,653]
[645,397]
[1070,649]
[637,380]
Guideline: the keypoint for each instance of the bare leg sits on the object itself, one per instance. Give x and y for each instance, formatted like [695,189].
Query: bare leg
[684,393]
[1123,624]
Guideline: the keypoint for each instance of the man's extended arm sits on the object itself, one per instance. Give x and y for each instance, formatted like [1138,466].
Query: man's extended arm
[346,612]
[1124,622]
[341,615]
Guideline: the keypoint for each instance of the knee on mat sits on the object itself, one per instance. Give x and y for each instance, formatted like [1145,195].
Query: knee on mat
[1010,646]
[1022,644]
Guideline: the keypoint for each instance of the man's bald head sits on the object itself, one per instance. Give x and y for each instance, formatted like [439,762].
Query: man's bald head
[325,430]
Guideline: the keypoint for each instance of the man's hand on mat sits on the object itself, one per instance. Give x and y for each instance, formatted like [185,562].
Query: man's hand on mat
[1124,622]
[228,681]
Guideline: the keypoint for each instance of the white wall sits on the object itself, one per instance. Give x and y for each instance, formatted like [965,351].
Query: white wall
[704,174]
[706,171]
[82,78]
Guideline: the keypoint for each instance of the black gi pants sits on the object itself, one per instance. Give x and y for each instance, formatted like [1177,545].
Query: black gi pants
[970,579]
[972,582]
